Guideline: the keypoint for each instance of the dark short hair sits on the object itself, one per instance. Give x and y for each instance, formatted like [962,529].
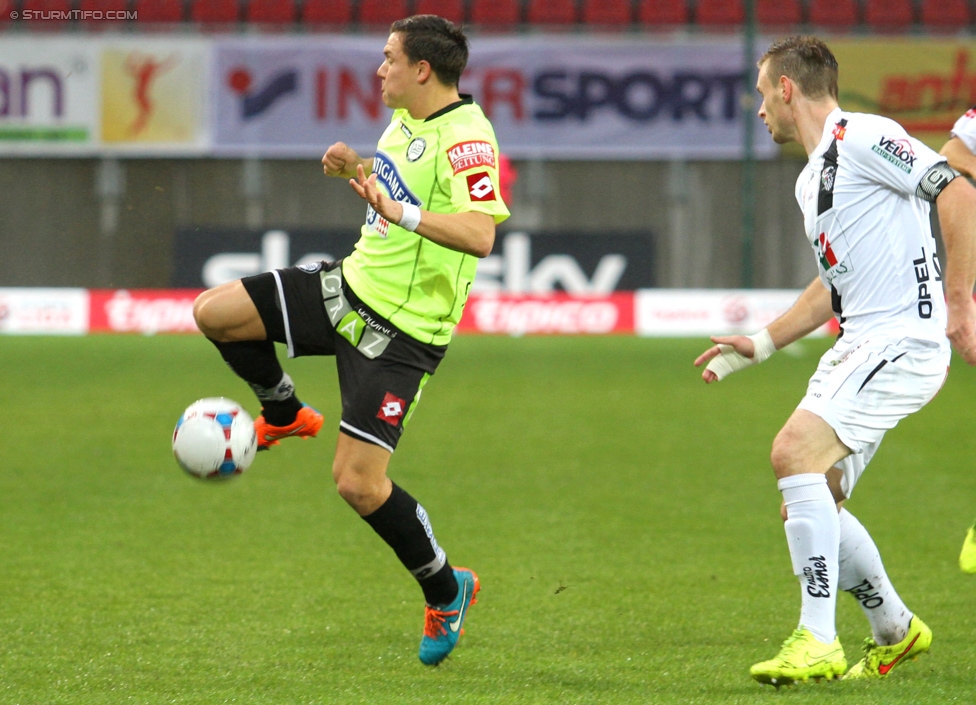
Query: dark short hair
[804,60]
[437,41]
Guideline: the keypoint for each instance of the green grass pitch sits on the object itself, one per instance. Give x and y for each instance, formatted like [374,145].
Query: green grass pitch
[621,514]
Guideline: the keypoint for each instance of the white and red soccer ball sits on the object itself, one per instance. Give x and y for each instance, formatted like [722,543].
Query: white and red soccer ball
[215,439]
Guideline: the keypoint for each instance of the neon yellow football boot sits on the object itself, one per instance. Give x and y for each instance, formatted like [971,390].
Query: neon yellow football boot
[967,558]
[879,660]
[801,658]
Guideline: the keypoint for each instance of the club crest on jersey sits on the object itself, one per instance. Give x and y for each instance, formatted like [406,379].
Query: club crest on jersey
[416,149]
[896,151]
[827,177]
[470,155]
[480,187]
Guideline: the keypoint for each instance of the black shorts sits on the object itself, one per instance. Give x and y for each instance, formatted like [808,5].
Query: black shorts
[382,370]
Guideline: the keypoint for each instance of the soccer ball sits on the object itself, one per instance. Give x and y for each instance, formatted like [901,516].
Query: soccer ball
[214,439]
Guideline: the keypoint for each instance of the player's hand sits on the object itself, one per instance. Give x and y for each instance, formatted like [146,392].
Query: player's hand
[340,160]
[961,328]
[369,192]
[740,344]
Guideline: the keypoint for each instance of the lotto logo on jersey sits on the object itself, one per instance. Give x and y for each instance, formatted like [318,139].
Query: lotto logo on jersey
[480,187]
[392,409]
[470,155]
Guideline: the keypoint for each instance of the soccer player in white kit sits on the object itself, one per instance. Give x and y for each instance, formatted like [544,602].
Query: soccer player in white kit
[960,150]
[865,194]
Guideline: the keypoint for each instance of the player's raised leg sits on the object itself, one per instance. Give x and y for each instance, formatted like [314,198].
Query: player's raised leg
[233,317]
[359,471]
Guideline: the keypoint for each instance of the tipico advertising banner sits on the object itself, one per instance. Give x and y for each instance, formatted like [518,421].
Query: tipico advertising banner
[48,96]
[548,97]
[925,85]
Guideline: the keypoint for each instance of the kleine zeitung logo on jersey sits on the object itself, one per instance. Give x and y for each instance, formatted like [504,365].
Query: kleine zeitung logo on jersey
[471,154]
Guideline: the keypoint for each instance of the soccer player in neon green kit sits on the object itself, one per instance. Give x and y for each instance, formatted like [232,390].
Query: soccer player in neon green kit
[386,311]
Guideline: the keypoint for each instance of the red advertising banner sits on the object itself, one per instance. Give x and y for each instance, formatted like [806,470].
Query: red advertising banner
[549,314]
[146,311]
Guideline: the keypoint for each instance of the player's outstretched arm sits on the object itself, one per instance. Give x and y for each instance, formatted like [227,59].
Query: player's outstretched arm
[959,156]
[470,232]
[733,353]
[957,218]
[342,160]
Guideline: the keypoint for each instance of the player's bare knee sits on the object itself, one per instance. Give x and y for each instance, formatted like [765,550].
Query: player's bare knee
[206,318]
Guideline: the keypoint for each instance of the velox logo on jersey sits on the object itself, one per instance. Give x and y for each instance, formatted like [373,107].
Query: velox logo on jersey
[392,409]
[897,151]
[472,154]
[480,187]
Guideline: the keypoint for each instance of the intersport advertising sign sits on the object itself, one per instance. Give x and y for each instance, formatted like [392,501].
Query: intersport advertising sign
[548,97]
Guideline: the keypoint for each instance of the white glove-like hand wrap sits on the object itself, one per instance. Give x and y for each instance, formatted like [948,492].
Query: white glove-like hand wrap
[729,361]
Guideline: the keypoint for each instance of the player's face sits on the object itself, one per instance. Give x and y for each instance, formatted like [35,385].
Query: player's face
[773,112]
[397,73]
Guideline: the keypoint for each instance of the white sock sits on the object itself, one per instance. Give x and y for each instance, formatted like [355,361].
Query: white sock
[813,534]
[863,575]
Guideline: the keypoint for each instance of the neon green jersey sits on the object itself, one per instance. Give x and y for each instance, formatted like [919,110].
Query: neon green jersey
[447,163]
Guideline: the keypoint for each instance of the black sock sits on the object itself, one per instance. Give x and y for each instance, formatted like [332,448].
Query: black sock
[256,362]
[403,524]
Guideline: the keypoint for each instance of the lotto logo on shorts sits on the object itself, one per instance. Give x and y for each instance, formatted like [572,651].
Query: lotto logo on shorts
[480,187]
[392,409]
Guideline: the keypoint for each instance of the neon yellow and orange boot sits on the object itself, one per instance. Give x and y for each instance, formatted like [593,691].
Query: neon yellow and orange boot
[879,660]
[306,425]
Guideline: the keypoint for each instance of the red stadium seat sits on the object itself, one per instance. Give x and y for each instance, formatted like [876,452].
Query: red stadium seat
[662,13]
[53,14]
[946,15]
[607,13]
[889,15]
[6,7]
[271,12]
[495,14]
[835,14]
[778,13]
[552,12]
[382,13]
[215,12]
[452,10]
[719,13]
[329,13]
[158,10]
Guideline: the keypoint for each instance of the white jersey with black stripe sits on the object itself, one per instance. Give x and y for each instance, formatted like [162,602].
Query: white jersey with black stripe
[965,129]
[870,230]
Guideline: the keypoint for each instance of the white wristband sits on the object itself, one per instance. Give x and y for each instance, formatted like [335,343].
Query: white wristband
[729,361]
[411,216]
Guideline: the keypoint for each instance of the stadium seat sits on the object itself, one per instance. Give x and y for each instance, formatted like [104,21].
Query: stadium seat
[158,10]
[835,14]
[946,15]
[214,12]
[452,10]
[662,13]
[495,14]
[330,14]
[778,13]
[62,7]
[889,15]
[607,13]
[382,13]
[719,13]
[270,12]
[6,7]
[551,12]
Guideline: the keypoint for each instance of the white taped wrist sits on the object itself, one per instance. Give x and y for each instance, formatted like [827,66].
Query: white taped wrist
[411,216]
[729,361]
